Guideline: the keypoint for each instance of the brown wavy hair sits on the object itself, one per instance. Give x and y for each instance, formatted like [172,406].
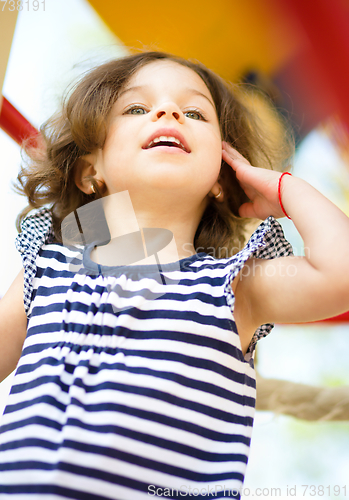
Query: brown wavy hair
[80,127]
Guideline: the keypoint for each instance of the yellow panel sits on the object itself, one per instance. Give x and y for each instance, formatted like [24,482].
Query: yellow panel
[8,21]
[229,36]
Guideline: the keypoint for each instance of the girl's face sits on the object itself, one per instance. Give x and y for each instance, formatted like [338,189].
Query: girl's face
[162,105]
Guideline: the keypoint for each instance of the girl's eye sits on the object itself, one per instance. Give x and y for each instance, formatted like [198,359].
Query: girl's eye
[135,110]
[194,115]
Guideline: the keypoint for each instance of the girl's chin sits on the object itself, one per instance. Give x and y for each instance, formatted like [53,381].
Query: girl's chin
[166,175]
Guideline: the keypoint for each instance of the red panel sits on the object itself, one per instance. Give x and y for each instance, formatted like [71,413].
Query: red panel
[15,125]
[326,24]
[341,318]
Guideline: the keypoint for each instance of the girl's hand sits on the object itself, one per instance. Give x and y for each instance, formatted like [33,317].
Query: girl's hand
[259,184]
[292,289]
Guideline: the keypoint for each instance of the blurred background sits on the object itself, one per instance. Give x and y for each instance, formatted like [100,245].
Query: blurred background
[294,52]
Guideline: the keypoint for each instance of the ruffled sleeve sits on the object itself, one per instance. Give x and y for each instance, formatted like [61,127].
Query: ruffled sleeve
[36,231]
[267,242]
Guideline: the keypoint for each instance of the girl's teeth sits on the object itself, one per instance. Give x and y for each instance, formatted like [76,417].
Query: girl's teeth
[164,138]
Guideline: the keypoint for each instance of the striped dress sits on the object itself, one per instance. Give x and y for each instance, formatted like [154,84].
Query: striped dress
[152,399]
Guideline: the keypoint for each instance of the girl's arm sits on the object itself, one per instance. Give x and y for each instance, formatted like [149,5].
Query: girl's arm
[13,327]
[293,289]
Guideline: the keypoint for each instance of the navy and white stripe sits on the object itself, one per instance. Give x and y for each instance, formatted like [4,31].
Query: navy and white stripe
[107,403]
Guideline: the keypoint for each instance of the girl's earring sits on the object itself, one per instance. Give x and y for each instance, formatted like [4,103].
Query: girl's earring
[219,194]
[93,188]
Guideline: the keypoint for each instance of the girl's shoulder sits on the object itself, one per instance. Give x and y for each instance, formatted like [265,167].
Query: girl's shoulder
[268,241]
[36,231]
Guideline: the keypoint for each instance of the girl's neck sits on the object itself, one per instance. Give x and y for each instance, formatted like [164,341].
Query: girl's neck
[124,217]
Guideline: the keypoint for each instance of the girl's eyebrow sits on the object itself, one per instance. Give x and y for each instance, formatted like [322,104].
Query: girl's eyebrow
[146,87]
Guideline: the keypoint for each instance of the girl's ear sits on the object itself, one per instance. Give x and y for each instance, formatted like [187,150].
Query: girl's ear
[83,172]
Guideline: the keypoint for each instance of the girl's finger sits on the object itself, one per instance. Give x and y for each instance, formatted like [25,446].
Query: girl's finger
[228,159]
[247,210]
[240,167]
[237,162]
[233,153]
[234,162]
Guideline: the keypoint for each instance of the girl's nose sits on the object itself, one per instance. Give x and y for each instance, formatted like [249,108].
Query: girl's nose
[169,110]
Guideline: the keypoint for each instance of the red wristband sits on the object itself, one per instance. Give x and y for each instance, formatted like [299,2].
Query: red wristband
[279,193]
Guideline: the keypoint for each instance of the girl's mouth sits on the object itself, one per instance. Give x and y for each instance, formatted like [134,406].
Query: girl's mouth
[167,138]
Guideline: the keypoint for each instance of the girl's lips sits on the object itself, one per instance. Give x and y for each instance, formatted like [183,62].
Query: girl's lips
[168,150]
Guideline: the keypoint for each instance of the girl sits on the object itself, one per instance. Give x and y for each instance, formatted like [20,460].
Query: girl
[135,344]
